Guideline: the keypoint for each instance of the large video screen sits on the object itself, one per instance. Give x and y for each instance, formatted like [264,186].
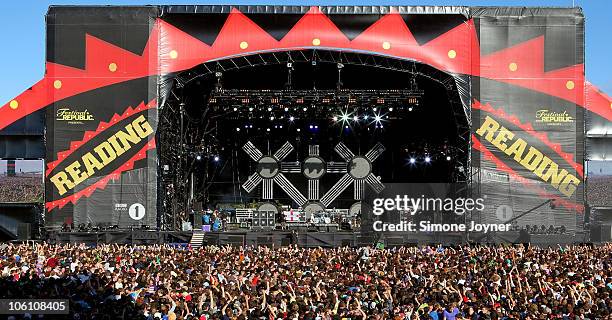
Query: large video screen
[599,183]
[21,181]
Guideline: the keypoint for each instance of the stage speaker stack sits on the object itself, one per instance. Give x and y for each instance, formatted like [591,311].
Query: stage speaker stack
[265,220]
[24,231]
[197,220]
[601,233]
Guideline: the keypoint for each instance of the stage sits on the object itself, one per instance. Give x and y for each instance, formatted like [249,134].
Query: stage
[301,239]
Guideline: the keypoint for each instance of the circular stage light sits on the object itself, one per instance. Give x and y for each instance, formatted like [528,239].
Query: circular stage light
[412,160]
[216,158]
[198,157]
[291,118]
[427,159]
[448,158]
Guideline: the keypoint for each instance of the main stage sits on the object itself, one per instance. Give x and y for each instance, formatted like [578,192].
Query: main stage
[162,117]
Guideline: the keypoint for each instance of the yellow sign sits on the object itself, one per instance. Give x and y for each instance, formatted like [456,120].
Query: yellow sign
[102,155]
[528,156]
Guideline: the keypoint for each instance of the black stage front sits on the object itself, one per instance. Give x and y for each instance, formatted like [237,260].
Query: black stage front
[302,239]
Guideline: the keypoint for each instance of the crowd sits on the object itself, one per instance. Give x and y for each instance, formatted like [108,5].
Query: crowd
[599,187]
[24,187]
[166,282]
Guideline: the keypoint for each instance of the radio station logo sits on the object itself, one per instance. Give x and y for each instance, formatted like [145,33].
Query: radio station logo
[73,116]
[553,118]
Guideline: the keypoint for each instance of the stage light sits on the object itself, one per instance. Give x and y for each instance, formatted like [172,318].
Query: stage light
[390,109]
[286,109]
[346,127]
[237,129]
[374,109]
[355,118]
[448,158]
[251,126]
[250,109]
[268,129]
[216,158]
[311,126]
[412,160]
[291,118]
[335,118]
[246,126]
[365,117]
[269,108]
[280,126]
[427,159]
[272,118]
[410,109]
[235,109]
[316,127]
[377,118]
[198,157]
[298,129]
[305,109]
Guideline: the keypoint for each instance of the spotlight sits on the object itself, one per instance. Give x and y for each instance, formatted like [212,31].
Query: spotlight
[216,158]
[448,158]
[377,118]
[246,126]
[427,159]
[355,118]
[251,126]
[298,129]
[235,109]
[269,108]
[410,109]
[291,118]
[365,117]
[412,160]
[305,109]
[198,157]
[272,118]
[390,109]
[237,129]
[345,117]
[316,127]
[335,118]
[286,109]
[346,127]
[268,129]
[250,109]
[311,126]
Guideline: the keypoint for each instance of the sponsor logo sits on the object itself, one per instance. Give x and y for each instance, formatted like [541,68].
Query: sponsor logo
[121,207]
[553,118]
[73,116]
[137,211]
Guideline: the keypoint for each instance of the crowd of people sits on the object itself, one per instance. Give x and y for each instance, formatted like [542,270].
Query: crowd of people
[167,282]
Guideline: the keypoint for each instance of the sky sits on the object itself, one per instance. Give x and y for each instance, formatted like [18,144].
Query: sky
[23,33]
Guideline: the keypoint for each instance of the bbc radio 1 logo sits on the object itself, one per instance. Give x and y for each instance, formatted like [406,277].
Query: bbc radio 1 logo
[73,116]
[136,211]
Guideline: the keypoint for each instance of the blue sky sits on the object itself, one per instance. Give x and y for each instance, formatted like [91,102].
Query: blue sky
[23,34]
